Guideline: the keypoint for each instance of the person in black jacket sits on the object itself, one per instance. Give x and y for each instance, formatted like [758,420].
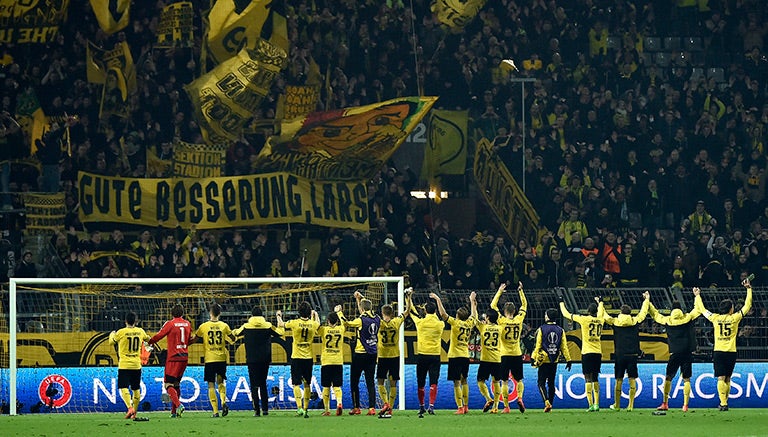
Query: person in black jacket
[681,337]
[257,335]
[49,154]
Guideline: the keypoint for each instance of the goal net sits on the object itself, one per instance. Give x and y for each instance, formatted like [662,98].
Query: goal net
[55,354]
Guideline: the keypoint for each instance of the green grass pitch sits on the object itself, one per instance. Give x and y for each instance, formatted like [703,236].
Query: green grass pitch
[575,423]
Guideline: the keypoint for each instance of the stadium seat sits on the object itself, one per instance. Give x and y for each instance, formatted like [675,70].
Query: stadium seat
[652,43]
[696,73]
[672,43]
[662,59]
[717,73]
[692,44]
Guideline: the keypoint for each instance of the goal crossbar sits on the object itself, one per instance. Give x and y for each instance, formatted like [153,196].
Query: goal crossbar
[14,282]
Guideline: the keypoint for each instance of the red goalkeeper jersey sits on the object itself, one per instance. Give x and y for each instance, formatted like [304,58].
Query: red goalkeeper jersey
[178,331]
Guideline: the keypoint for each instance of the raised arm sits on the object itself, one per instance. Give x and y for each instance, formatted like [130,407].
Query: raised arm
[473,305]
[279,317]
[644,308]
[748,301]
[600,307]
[523,300]
[315,316]
[359,299]
[440,307]
[699,304]
[499,292]
[563,309]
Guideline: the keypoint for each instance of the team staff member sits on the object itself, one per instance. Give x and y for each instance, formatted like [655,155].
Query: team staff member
[681,338]
[511,355]
[257,335]
[591,348]
[214,335]
[129,341]
[626,343]
[550,344]
[179,332]
[726,326]
[429,332]
[458,352]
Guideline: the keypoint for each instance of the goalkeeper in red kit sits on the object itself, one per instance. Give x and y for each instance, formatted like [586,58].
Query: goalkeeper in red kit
[178,331]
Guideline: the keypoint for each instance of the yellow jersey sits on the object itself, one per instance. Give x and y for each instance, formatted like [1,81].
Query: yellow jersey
[215,335]
[332,338]
[429,334]
[303,332]
[490,349]
[591,329]
[511,329]
[389,337]
[726,325]
[461,331]
[129,341]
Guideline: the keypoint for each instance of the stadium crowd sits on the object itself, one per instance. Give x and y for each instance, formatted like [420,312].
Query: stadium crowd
[645,172]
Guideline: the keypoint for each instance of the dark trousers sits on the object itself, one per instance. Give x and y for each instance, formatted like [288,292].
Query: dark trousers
[363,363]
[257,373]
[546,382]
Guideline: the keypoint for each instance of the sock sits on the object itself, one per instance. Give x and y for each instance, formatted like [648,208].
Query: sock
[596,392]
[392,393]
[174,395]
[327,398]
[632,391]
[667,388]
[126,395]
[617,392]
[496,388]
[421,396]
[588,391]
[465,393]
[505,393]
[213,399]
[297,396]
[383,393]
[722,389]
[484,390]
[307,392]
[457,395]
[339,395]
[686,391]
[520,390]
[136,399]
[542,392]
[432,394]
[223,393]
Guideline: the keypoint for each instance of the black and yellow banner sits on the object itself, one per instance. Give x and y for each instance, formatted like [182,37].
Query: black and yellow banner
[175,28]
[300,100]
[500,190]
[226,98]
[225,202]
[156,167]
[31,117]
[31,21]
[112,15]
[344,144]
[446,150]
[235,25]
[45,213]
[456,13]
[198,160]
[99,61]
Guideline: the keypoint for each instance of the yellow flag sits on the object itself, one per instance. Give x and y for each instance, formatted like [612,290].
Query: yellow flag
[176,28]
[234,25]
[457,13]
[94,63]
[446,150]
[112,15]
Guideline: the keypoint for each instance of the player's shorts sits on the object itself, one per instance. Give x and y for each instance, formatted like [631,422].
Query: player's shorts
[724,363]
[488,369]
[427,365]
[129,378]
[174,370]
[625,364]
[512,364]
[682,361]
[458,368]
[590,363]
[332,375]
[215,369]
[388,367]
[301,370]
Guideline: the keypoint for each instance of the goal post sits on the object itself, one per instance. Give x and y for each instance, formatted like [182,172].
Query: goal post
[77,301]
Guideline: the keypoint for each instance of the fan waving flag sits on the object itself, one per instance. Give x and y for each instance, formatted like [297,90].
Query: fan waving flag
[446,151]
[457,13]
[112,15]
[344,144]
[234,25]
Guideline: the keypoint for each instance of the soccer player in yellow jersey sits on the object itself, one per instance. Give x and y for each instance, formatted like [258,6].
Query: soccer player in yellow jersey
[215,334]
[332,361]
[626,341]
[388,367]
[726,326]
[458,353]
[303,331]
[429,333]
[591,348]
[490,360]
[511,323]
[129,341]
